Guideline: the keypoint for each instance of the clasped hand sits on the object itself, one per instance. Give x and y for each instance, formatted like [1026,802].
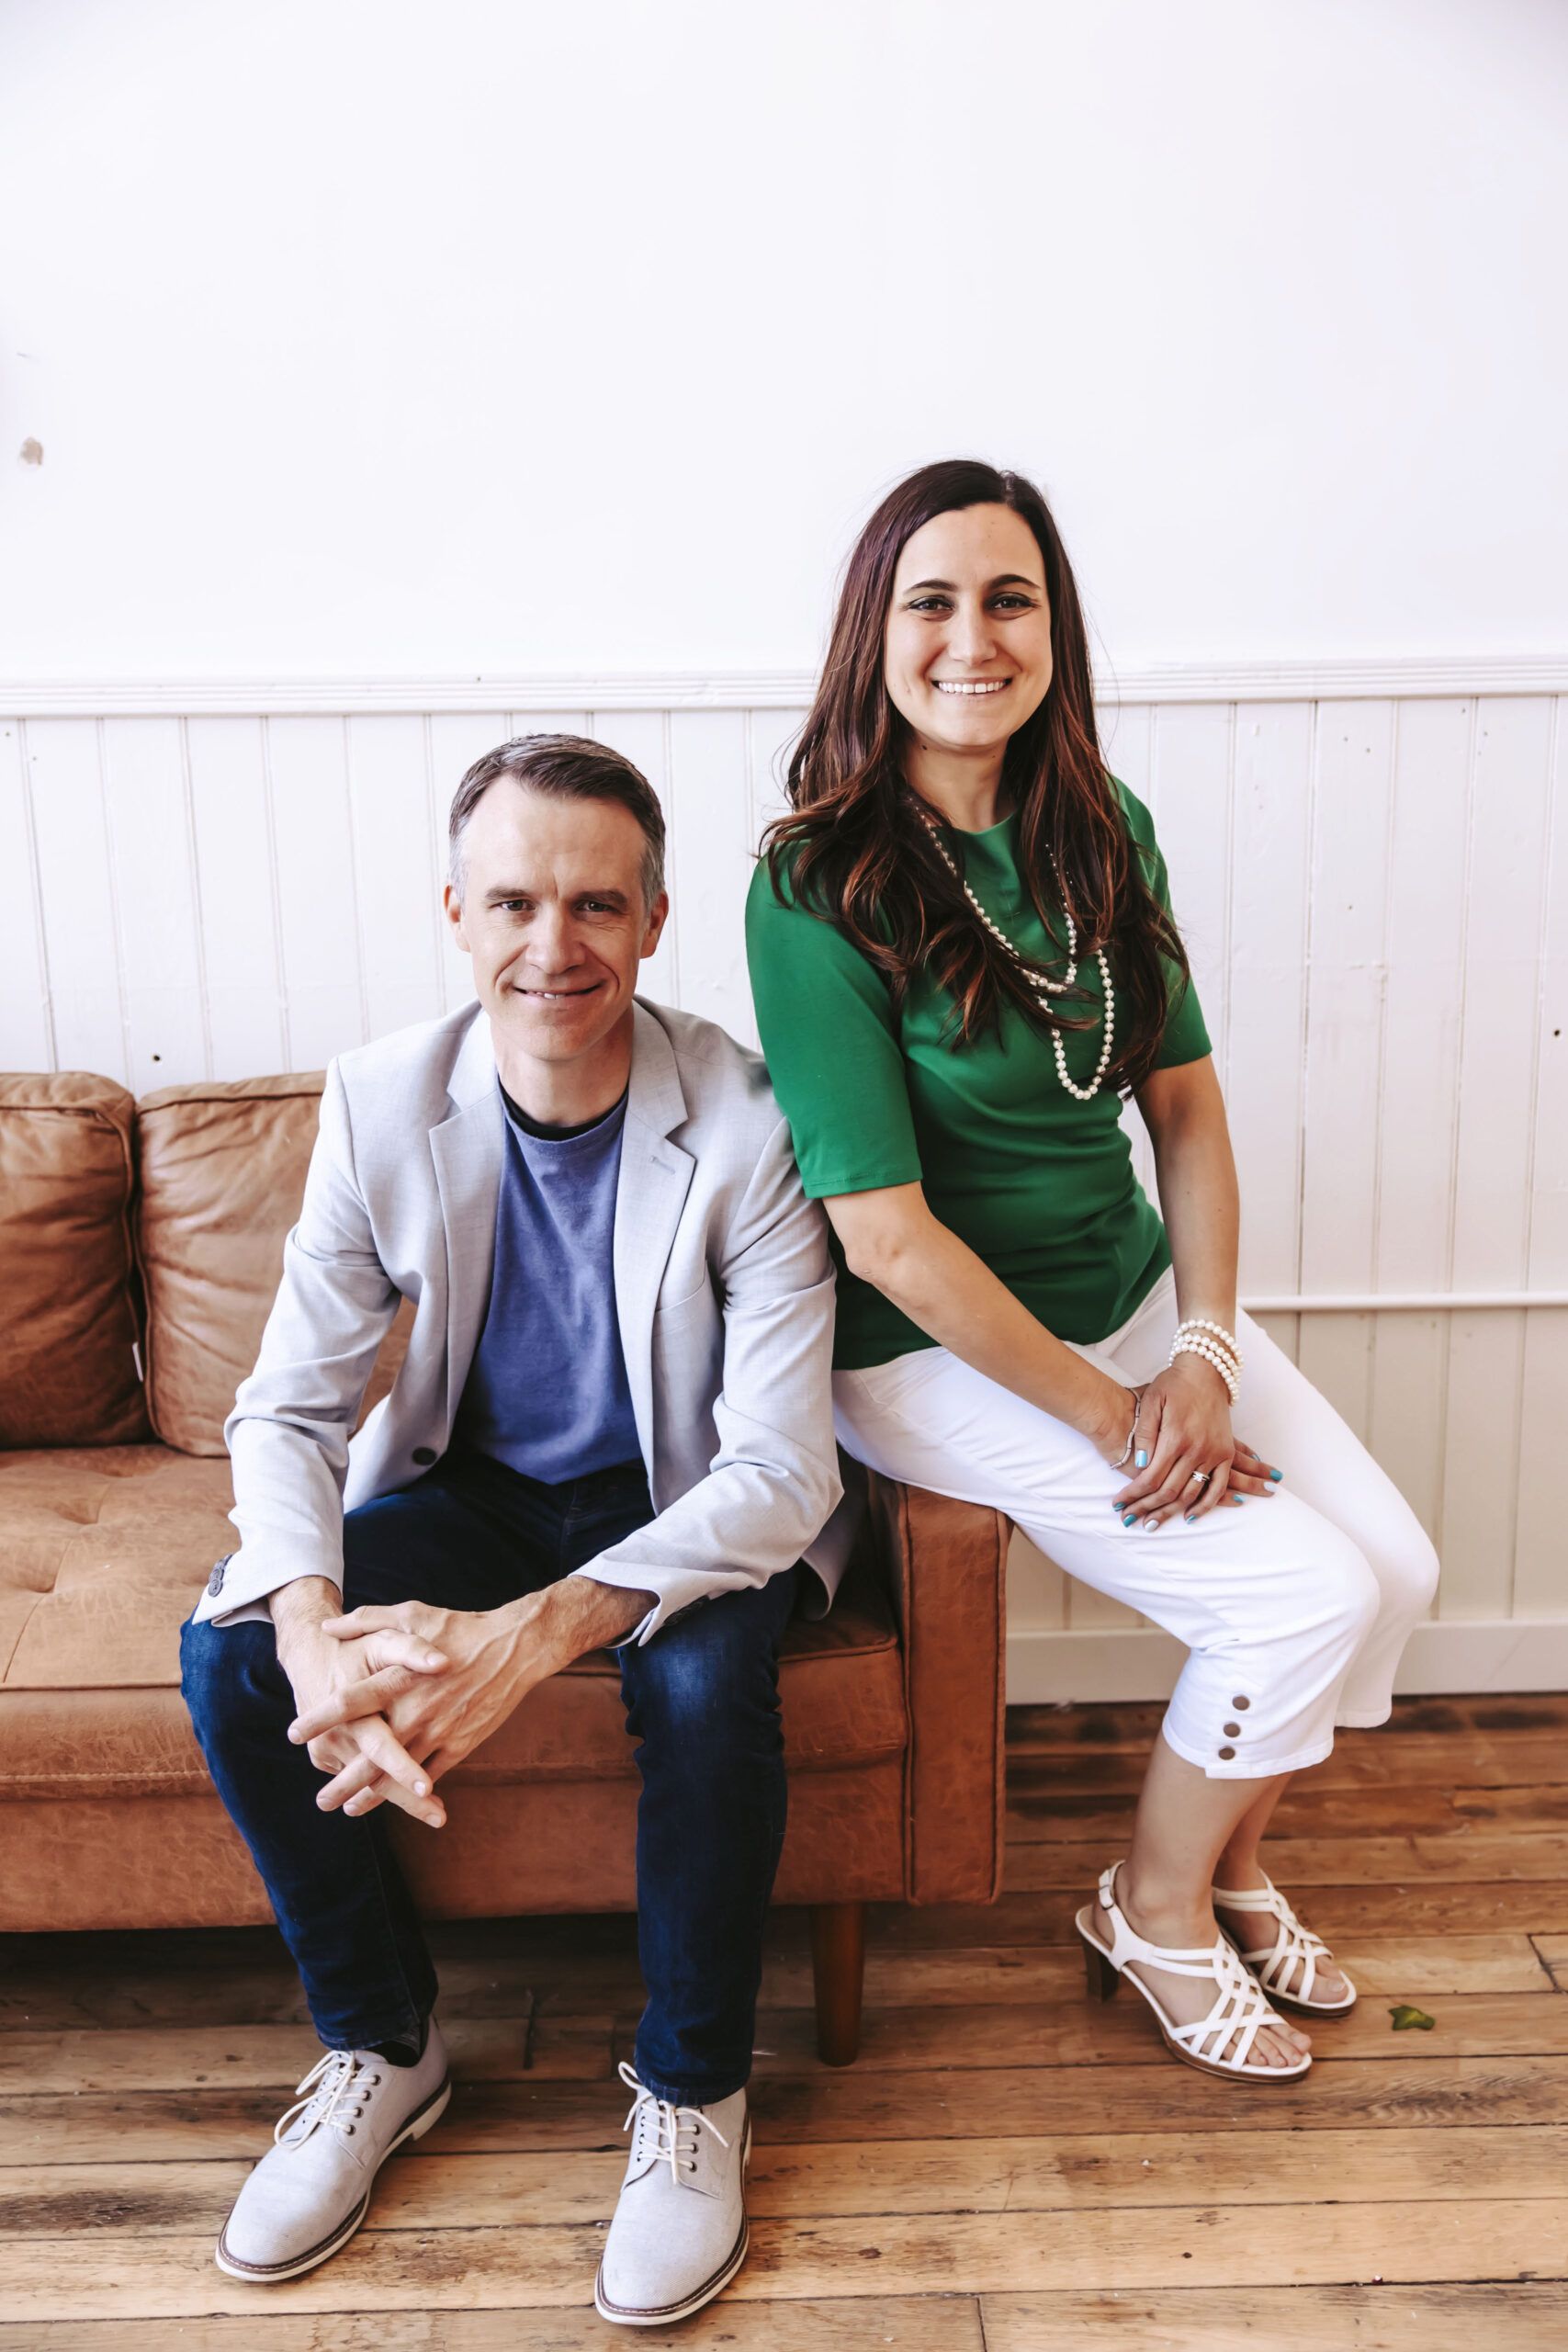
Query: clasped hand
[426,1686]
[1195,1461]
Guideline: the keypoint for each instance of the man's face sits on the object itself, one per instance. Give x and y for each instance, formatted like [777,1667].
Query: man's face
[552,914]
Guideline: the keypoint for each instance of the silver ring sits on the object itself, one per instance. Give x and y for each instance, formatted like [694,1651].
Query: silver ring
[1200,1477]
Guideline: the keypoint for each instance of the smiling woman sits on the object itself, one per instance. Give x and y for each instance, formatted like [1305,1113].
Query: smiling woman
[959,639]
[963,955]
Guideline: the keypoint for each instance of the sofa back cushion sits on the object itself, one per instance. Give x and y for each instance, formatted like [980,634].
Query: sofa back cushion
[68,1293]
[222,1167]
[222,1171]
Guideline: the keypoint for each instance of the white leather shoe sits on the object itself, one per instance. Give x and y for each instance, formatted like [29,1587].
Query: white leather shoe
[311,2189]
[679,2234]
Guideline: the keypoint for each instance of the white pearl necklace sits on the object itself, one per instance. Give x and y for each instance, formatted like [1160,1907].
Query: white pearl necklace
[1037,980]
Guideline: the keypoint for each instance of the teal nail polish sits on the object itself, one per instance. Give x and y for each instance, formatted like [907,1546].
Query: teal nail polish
[1187,1519]
[1142,1463]
[1130,1519]
[1276,1476]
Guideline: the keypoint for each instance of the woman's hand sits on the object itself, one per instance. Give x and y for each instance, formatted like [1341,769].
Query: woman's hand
[1191,1459]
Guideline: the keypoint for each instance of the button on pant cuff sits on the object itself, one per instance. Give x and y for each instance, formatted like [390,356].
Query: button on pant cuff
[1249,1764]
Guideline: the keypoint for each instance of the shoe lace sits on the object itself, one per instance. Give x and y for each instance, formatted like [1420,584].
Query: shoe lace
[675,2128]
[333,2097]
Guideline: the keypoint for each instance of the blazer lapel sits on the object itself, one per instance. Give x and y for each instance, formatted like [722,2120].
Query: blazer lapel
[655,1177]
[467,1149]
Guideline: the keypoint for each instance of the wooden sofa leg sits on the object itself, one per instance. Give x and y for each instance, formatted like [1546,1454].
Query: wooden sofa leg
[838,1969]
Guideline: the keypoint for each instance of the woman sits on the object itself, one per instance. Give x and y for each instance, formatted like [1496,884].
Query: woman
[963,955]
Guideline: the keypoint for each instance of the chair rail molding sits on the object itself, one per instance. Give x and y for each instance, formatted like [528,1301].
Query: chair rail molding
[1330,678]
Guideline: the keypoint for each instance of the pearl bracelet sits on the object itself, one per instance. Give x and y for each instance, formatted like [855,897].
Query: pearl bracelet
[1194,1344]
[1212,1356]
[1226,1339]
[1186,1337]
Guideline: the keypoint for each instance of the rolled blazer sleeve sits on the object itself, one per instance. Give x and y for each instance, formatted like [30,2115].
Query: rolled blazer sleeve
[288,1435]
[774,1479]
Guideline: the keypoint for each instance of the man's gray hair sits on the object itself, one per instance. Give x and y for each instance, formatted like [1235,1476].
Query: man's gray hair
[567,767]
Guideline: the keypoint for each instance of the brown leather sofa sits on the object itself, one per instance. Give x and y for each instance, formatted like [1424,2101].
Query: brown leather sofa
[140,1247]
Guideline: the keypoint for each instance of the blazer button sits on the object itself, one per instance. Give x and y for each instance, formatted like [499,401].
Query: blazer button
[215,1581]
[425,1455]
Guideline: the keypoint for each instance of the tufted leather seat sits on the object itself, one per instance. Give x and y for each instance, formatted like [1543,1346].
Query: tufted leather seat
[152,1235]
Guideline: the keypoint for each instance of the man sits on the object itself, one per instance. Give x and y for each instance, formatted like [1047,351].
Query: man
[612,1427]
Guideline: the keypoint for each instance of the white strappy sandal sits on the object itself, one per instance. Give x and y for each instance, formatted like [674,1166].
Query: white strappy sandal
[1240,2009]
[1294,1954]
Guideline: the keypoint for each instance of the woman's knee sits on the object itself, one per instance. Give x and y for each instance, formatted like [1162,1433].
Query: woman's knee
[1407,1570]
[1348,1591]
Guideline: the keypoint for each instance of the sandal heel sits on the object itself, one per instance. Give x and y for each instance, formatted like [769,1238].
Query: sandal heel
[1100,1979]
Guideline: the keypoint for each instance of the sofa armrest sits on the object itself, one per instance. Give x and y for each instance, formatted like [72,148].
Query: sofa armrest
[944,1564]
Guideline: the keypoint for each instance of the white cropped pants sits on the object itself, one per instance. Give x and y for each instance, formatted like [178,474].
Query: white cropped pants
[1294,1608]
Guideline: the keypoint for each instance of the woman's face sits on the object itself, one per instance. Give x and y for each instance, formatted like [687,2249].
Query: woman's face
[967,650]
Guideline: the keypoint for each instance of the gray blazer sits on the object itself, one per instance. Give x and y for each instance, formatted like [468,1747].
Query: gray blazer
[724,1291]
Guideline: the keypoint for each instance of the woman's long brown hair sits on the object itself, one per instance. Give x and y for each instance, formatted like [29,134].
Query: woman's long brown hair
[853,848]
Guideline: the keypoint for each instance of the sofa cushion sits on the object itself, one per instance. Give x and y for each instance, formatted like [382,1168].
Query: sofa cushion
[68,1370]
[222,1174]
[222,1171]
[104,1551]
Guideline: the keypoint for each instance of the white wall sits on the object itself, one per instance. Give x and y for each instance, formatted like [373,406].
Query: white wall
[479,336]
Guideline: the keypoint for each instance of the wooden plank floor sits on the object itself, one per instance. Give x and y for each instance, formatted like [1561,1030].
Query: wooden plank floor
[1006,2169]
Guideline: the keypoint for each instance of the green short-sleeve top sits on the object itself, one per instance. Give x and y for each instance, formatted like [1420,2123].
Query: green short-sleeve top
[1039,1184]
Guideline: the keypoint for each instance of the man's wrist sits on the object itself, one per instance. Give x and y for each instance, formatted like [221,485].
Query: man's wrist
[301,1608]
[580,1613]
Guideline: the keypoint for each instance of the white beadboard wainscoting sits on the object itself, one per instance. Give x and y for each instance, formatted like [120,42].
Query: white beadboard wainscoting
[1369,864]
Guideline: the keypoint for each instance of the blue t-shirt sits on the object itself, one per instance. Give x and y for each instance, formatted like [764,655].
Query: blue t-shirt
[546,1392]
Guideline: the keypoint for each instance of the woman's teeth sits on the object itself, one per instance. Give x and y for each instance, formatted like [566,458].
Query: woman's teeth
[971,687]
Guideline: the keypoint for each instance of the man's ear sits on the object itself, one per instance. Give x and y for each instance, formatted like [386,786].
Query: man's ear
[452,907]
[657,915]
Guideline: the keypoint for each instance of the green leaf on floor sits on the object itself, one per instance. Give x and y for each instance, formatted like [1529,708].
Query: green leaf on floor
[1404,2017]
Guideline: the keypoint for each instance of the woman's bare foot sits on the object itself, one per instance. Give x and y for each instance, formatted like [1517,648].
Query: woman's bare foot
[1252,1931]
[1187,2000]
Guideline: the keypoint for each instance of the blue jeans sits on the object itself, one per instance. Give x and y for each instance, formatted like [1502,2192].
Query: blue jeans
[700,1699]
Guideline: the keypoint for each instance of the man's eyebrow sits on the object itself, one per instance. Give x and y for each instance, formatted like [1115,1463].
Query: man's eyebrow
[1002,580]
[504,891]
